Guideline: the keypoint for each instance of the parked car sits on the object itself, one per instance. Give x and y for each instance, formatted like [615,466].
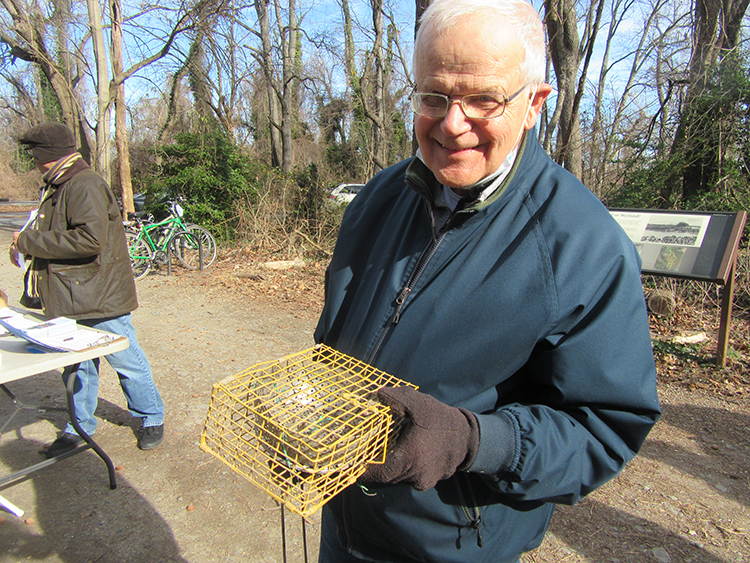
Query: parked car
[344,193]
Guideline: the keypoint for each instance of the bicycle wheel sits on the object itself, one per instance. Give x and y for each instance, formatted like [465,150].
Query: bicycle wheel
[188,244]
[141,255]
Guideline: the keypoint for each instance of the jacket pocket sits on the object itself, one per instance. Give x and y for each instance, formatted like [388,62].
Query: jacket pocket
[75,289]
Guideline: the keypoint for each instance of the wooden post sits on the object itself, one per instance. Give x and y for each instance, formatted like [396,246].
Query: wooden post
[727,295]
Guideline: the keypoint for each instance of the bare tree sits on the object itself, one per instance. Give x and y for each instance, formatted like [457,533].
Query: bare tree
[289,76]
[121,132]
[25,35]
[265,60]
[700,134]
[102,90]
[349,64]
[183,23]
[374,90]
[377,115]
[608,136]
[567,54]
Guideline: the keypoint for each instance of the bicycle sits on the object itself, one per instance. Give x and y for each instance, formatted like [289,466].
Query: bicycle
[152,243]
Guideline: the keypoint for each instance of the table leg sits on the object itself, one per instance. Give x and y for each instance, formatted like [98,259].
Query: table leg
[10,507]
[70,385]
[20,406]
[90,443]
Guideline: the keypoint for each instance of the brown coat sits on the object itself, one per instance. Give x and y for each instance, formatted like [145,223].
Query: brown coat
[81,255]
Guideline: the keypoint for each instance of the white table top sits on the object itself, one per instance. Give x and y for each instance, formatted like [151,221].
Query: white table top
[19,362]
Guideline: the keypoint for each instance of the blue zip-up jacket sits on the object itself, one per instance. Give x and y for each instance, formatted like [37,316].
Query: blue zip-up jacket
[527,310]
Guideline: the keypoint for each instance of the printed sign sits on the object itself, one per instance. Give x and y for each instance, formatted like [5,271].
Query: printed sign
[696,245]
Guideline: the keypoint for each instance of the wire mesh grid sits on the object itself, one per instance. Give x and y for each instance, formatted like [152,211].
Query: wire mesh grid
[301,428]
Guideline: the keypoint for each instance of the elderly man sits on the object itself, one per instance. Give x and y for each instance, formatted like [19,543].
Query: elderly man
[494,280]
[81,269]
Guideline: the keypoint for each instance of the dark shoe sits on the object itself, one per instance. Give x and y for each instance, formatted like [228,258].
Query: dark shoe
[150,437]
[65,443]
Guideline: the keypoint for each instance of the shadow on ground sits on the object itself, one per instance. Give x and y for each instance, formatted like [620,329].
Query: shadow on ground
[723,448]
[109,526]
[78,518]
[593,529]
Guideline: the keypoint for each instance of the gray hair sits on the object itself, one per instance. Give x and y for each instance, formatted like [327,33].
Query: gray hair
[441,15]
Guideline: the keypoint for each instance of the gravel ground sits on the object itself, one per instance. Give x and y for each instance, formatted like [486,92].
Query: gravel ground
[685,498]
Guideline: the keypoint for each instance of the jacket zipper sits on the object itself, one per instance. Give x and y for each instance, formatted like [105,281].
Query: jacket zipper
[475,518]
[404,293]
[471,510]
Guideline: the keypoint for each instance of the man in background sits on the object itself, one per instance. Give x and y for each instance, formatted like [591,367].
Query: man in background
[80,268]
[491,278]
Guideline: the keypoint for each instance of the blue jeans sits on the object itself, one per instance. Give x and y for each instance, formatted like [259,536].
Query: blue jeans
[134,372]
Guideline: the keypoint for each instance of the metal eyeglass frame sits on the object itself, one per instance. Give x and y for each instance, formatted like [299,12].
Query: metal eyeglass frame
[460,101]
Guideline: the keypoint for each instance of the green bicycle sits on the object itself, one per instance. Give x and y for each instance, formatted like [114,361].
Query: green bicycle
[152,243]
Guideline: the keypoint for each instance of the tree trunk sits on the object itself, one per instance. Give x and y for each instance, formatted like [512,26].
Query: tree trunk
[379,149]
[121,131]
[261,7]
[698,137]
[562,25]
[288,50]
[351,69]
[421,6]
[198,80]
[567,52]
[101,160]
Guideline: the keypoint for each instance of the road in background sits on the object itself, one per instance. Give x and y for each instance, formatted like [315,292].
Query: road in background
[11,222]
[13,214]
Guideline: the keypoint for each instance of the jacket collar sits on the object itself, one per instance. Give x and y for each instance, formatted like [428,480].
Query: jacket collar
[64,169]
[423,181]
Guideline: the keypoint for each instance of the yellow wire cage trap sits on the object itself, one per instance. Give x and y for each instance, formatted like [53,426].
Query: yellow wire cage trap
[301,428]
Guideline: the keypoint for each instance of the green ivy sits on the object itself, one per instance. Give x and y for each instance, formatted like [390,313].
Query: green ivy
[209,173]
[682,351]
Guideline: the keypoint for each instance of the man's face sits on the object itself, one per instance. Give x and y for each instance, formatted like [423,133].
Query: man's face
[41,166]
[471,60]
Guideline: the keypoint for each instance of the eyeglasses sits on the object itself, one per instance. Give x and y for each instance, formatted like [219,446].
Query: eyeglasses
[474,106]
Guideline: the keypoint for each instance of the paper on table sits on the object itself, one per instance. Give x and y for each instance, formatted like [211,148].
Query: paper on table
[73,340]
[53,327]
[19,322]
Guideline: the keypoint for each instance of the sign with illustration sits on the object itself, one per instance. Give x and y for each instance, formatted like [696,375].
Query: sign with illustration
[688,244]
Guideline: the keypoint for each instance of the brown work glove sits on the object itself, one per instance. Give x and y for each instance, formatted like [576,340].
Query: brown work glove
[437,441]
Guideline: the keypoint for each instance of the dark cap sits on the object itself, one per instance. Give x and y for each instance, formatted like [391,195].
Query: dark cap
[49,142]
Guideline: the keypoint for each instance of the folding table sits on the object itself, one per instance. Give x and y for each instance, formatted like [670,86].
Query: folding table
[19,362]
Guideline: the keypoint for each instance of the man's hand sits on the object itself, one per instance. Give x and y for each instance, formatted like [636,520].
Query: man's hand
[437,440]
[13,254]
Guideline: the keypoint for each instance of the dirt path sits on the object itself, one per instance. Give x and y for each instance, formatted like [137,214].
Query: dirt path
[175,503]
[685,498]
